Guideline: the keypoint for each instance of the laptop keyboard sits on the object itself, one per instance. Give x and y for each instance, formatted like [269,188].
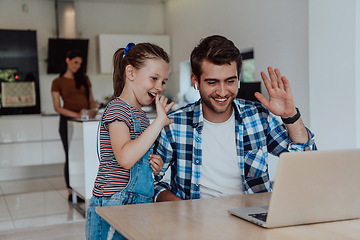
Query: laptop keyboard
[260,216]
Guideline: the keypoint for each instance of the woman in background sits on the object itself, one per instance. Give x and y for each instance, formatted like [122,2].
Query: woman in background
[73,87]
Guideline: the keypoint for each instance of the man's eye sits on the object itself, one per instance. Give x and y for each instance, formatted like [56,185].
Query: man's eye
[211,82]
[231,81]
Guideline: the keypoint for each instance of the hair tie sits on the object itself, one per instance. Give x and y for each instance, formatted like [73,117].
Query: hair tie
[128,47]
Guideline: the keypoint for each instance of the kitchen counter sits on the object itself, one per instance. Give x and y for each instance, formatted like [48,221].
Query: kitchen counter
[83,157]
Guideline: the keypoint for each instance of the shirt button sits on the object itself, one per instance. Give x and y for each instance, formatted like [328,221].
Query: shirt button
[197,161]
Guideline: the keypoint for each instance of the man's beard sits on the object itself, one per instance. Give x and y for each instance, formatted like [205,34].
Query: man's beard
[215,107]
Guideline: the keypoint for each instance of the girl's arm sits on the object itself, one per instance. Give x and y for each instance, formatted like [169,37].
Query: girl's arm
[127,152]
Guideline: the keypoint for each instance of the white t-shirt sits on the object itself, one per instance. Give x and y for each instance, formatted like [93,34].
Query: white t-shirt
[220,171]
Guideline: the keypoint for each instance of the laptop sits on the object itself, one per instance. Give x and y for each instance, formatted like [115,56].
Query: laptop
[310,187]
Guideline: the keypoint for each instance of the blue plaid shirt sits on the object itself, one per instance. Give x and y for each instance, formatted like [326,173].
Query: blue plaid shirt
[257,131]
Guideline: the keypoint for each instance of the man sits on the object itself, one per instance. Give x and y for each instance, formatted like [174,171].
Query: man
[219,145]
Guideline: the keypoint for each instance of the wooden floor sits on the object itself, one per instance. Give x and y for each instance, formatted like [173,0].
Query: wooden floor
[68,231]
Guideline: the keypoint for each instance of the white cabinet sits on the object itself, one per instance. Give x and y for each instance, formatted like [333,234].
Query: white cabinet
[20,129]
[20,140]
[50,128]
[21,154]
[83,158]
[53,150]
[29,140]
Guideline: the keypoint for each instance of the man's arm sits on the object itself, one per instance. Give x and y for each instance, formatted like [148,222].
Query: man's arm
[163,148]
[297,132]
[281,103]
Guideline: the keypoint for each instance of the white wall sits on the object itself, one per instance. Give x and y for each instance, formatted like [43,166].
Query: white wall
[92,18]
[112,17]
[334,37]
[278,31]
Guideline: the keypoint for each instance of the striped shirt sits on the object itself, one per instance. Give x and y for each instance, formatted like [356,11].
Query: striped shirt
[111,177]
[257,133]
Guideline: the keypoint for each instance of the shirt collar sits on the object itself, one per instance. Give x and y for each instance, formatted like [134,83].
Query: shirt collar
[198,118]
[238,113]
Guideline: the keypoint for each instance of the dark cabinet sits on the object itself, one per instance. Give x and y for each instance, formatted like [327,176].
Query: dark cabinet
[19,77]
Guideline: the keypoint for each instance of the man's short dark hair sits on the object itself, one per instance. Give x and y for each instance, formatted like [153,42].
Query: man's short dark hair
[216,49]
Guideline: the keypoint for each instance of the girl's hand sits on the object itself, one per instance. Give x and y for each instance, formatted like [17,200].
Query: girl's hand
[162,108]
[156,163]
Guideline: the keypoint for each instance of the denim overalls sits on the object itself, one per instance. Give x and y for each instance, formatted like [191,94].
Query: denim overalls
[140,189]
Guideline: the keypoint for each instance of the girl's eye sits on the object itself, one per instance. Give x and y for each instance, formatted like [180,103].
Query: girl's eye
[154,78]
[163,83]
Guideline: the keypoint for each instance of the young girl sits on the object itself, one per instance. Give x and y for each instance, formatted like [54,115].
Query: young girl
[74,88]
[126,165]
